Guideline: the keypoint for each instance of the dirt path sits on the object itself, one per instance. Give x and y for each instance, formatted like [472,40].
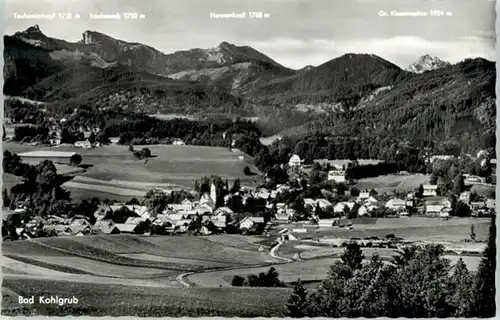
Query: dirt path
[181,277]
[273,251]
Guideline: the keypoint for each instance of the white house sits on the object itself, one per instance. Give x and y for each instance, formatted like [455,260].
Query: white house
[472,180]
[295,161]
[339,207]
[187,204]
[440,157]
[263,193]
[323,203]
[371,200]
[446,203]
[55,141]
[364,195]
[363,210]
[178,143]
[248,222]
[219,220]
[491,204]
[83,144]
[444,213]
[337,176]
[326,223]
[309,202]
[434,209]
[223,211]
[290,212]
[430,190]
[396,204]
[175,207]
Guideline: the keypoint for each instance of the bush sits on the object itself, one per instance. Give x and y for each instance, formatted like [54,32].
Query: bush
[238,281]
[247,171]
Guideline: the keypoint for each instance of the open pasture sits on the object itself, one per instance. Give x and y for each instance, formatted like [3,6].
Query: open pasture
[412,228]
[170,167]
[391,182]
[118,300]
[89,266]
[308,270]
[130,256]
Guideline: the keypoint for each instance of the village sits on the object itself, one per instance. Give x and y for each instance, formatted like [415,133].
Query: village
[199,215]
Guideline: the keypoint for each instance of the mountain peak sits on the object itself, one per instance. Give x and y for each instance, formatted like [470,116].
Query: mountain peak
[225,44]
[427,63]
[35,28]
[33,31]
[90,37]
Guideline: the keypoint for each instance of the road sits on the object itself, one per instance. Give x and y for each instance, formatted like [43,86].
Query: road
[181,277]
[274,249]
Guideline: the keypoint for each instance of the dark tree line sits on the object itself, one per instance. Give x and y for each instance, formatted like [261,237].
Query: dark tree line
[418,283]
[146,130]
[41,186]
[372,170]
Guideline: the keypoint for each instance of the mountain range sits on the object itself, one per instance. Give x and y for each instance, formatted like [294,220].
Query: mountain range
[104,72]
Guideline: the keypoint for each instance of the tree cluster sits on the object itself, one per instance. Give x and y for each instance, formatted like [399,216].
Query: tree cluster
[267,279]
[419,282]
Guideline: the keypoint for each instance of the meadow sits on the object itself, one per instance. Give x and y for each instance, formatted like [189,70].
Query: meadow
[389,183]
[114,171]
[308,270]
[137,273]
[119,300]
[411,228]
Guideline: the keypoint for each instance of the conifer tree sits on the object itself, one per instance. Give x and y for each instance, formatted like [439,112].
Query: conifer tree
[297,302]
[353,256]
[461,289]
[484,305]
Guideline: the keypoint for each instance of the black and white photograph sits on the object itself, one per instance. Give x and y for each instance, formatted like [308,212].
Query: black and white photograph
[249,158]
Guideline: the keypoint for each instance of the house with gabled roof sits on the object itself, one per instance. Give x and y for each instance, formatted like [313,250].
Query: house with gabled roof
[363,211]
[135,220]
[126,227]
[249,222]
[309,202]
[176,207]
[434,209]
[340,207]
[323,203]
[223,211]
[491,204]
[371,200]
[102,210]
[430,190]
[295,161]
[363,196]
[396,204]
[219,221]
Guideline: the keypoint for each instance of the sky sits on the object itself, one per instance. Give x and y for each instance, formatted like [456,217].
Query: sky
[296,33]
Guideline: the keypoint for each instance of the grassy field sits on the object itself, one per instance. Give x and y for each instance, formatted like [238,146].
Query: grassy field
[412,228]
[389,183]
[137,257]
[118,300]
[309,270]
[171,168]
[137,273]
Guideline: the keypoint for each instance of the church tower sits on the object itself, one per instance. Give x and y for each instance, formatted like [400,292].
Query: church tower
[213,193]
